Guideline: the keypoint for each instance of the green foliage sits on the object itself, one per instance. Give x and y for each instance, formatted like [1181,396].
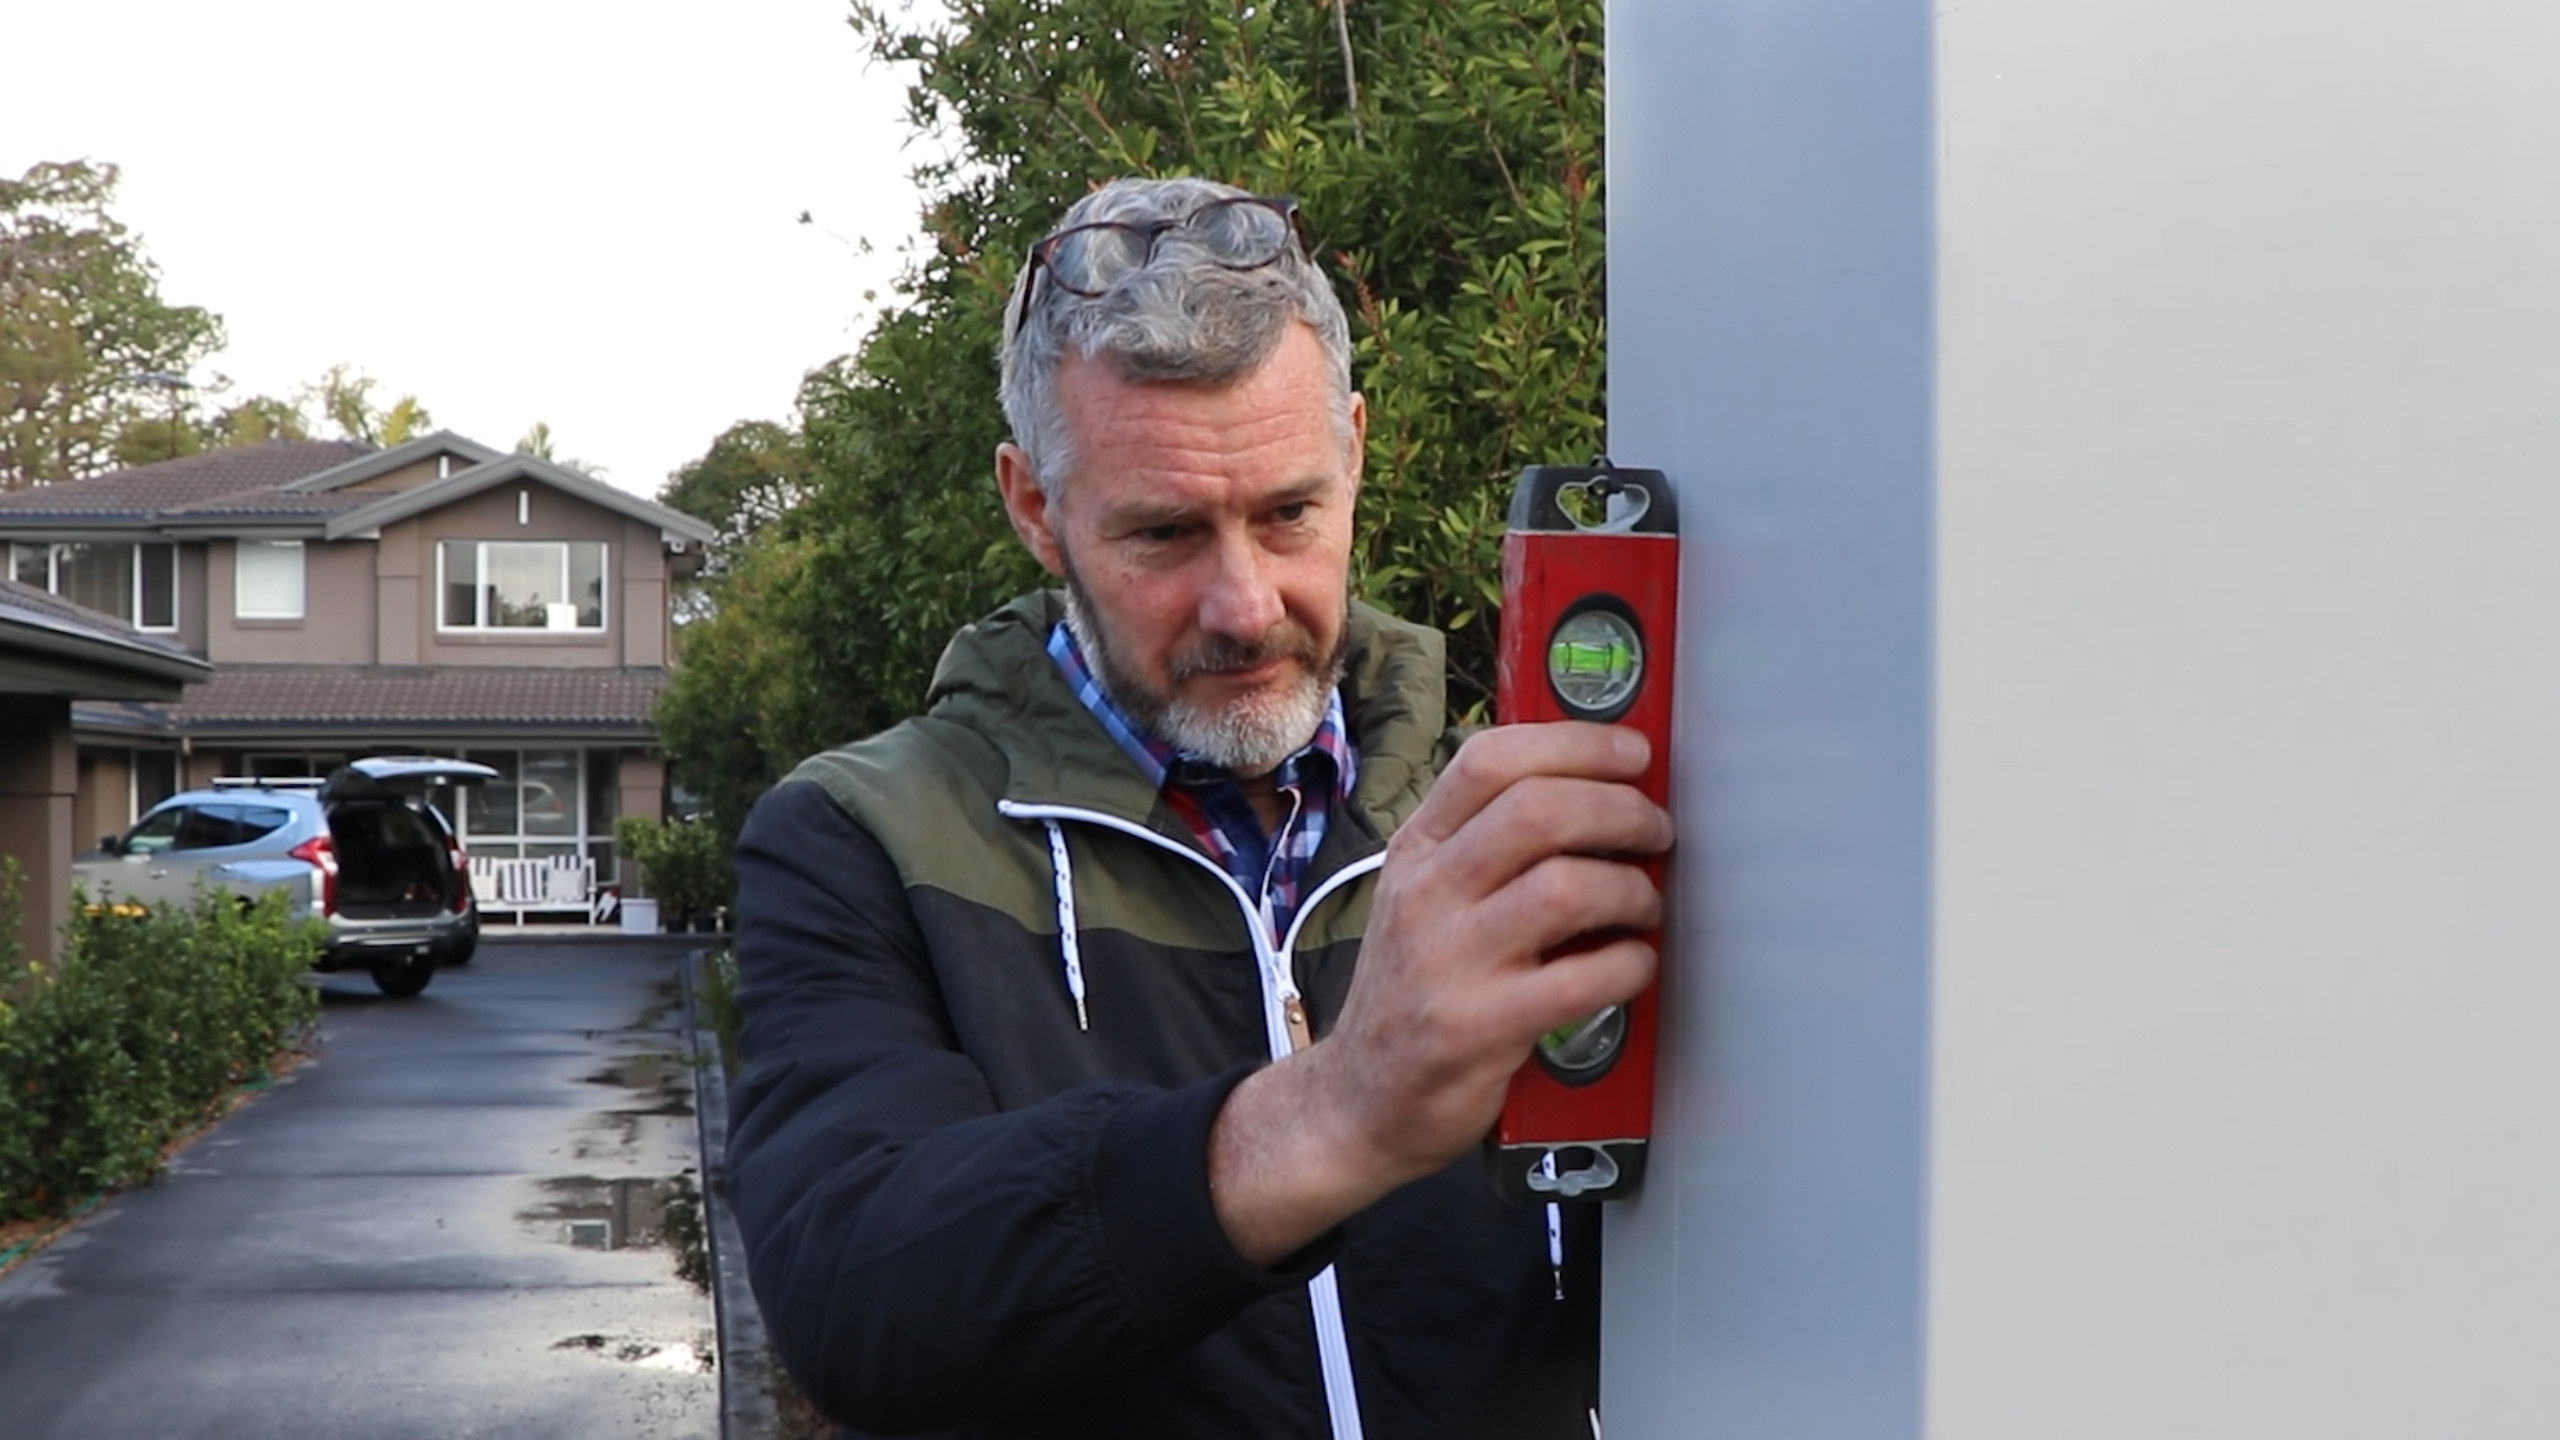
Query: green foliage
[344,397]
[754,473]
[715,998]
[1458,211]
[95,366]
[685,863]
[258,419]
[149,439]
[144,1025]
[87,346]
[681,1230]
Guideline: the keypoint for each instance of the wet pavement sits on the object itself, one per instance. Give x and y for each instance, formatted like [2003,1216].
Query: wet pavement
[466,1217]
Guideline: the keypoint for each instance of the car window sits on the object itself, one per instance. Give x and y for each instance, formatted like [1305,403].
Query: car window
[390,826]
[263,820]
[156,832]
[403,827]
[226,823]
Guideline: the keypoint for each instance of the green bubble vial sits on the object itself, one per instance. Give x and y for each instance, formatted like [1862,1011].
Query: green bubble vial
[1595,661]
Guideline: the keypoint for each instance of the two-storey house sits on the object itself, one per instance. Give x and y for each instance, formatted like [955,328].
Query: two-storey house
[434,597]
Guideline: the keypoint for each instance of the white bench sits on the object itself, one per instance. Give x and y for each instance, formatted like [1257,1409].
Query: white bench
[521,887]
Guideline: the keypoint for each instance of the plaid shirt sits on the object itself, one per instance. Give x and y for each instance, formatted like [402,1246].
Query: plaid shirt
[1269,867]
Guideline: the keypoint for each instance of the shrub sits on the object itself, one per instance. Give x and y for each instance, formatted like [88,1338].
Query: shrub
[685,863]
[130,1041]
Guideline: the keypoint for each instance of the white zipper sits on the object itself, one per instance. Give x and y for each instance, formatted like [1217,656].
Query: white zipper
[1279,999]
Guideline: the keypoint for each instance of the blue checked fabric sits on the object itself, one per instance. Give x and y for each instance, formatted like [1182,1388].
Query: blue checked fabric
[1272,868]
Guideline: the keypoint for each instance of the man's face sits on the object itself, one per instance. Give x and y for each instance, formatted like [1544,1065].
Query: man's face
[1205,538]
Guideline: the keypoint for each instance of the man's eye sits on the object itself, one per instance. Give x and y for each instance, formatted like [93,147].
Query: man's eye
[1293,512]
[1159,534]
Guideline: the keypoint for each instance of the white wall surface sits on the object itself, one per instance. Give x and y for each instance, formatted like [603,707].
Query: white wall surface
[2116,969]
[2247,1113]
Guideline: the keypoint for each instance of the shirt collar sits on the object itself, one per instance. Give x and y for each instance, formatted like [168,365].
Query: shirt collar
[1159,761]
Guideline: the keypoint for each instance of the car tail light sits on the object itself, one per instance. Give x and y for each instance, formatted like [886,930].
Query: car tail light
[320,855]
[461,875]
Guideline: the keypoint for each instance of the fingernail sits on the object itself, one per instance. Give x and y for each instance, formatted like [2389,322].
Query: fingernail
[1633,747]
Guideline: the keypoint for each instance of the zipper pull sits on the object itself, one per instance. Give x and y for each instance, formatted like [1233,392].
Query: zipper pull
[1294,1011]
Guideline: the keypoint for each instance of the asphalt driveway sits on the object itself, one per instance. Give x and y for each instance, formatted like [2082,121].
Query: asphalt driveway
[452,1223]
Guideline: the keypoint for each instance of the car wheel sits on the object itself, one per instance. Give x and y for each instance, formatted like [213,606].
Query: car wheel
[404,977]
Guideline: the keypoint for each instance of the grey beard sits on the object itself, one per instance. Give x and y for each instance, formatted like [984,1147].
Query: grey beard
[1249,736]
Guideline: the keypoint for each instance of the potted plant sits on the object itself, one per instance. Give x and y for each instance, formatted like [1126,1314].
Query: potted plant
[682,863]
[642,844]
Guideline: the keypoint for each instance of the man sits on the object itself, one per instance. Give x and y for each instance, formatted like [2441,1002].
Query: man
[1110,1070]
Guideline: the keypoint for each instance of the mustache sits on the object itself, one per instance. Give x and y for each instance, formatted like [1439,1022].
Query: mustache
[1217,654]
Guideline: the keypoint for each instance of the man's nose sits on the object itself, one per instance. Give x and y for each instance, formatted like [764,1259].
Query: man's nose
[1240,601]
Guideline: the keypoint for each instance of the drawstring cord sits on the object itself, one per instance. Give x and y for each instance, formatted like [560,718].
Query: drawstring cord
[1062,878]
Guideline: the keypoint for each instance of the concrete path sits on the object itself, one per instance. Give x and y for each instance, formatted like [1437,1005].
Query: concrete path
[447,1225]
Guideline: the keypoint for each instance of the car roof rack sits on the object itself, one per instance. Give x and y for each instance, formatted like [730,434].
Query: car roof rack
[270,782]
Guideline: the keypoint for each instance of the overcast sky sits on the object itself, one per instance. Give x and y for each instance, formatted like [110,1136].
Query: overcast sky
[517,210]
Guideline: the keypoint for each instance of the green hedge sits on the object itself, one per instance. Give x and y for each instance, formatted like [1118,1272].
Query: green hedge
[127,1044]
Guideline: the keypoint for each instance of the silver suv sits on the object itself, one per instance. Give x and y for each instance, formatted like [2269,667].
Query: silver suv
[361,850]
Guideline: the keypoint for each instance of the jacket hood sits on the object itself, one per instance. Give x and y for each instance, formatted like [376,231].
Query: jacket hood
[996,678]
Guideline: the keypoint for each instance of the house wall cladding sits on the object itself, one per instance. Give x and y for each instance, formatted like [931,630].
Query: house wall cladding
[338,599]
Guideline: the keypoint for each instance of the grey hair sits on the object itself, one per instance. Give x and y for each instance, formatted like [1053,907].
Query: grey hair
[1183,319]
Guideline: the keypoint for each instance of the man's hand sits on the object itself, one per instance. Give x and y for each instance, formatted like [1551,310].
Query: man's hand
[1502,913]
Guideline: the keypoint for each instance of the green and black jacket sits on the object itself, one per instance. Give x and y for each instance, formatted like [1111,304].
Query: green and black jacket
[972,1210]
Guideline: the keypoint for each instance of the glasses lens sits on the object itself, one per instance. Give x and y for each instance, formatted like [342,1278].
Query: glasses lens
[1240,231]
[1092,258]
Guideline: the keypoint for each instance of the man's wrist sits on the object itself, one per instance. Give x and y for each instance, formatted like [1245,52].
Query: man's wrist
[1286,1161]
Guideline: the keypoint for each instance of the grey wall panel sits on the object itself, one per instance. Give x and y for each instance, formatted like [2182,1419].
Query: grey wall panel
[1770,332]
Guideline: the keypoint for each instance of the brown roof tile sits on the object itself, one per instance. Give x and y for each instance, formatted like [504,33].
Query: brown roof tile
[269,696]
[190,482]
[27,599]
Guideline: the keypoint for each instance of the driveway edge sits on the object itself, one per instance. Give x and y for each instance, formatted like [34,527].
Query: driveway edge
[747,1409]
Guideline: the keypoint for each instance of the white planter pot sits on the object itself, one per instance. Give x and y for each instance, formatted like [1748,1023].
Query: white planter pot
[639,916]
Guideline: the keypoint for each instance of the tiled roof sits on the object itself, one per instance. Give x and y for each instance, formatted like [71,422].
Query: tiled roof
[270,503]
[22,603]
[191,483]
[335,697]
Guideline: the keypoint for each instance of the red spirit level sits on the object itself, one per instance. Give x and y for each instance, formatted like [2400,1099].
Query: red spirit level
[1590,591]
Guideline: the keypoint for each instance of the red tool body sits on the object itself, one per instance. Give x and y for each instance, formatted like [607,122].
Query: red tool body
[1590,585]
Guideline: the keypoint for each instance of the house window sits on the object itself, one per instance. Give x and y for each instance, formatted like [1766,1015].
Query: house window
[137,584]
[268,580]
[521,584]
[544,803]
[155,777]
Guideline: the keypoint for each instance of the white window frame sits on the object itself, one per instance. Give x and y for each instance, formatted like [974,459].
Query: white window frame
[53,575]
[240,552]
[479,593]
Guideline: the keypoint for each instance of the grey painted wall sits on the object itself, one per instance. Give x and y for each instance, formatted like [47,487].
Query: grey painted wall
[1770,346]
[2121,446]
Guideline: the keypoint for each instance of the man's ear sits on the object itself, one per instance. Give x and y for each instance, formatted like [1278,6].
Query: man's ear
[1359,439]
[1027,507]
